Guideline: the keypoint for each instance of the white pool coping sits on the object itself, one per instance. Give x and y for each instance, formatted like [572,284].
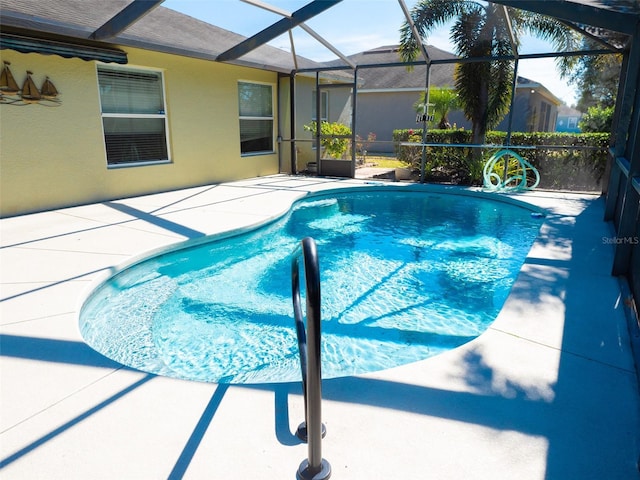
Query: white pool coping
[548,392]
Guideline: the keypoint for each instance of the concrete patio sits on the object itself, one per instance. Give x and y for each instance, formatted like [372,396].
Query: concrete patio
[549,391]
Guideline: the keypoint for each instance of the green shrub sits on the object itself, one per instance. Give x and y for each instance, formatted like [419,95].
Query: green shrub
[597,119]
[334,147]
[560,168]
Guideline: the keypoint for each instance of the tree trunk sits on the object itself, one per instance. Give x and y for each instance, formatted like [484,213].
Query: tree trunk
[479,122]
[478,138]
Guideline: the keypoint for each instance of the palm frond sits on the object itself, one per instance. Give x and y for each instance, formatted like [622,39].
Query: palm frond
[480,30]
[561,36]
[426,16]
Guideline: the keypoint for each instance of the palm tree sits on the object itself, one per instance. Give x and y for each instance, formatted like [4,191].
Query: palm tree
[443,99]
[480,30]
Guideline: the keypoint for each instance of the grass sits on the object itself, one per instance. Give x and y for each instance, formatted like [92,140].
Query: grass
[385,162]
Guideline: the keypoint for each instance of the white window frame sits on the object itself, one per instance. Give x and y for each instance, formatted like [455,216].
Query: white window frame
[161,115]
[270,118]
[324,106]
[324,110]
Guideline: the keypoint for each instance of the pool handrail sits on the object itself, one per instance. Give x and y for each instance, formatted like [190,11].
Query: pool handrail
[314,467]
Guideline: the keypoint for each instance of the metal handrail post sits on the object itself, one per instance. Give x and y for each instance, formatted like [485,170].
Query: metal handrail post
[314,467]
[314,375]
[301,334]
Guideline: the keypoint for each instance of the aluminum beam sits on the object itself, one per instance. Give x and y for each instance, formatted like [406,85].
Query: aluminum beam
[628,145]
[125,18]
[579,12]
[306,28]
[282,26]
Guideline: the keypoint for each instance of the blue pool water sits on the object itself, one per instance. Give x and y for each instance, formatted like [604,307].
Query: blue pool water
[405,275]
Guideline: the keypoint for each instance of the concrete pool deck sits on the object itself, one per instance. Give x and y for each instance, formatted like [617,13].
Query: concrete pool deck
[549,391]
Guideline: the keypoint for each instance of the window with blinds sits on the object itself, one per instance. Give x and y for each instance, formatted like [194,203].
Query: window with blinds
[256,117]
[133,116]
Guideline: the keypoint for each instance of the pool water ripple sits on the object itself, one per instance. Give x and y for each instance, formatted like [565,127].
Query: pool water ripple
[405,275]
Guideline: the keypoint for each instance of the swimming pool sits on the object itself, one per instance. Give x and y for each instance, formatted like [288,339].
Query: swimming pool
[406,274]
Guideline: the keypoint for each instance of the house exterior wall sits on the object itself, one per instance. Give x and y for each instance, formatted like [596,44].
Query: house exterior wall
[567,124]
[543,113]
[284,124]
[568,120]
[521,111]
[382,112]
[55,157]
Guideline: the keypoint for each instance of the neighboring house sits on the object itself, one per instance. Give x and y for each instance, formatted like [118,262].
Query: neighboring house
[568,119]
[535,109]
[386,96]
[144,110]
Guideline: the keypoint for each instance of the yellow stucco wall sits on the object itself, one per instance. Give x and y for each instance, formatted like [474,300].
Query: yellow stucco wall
[52,157]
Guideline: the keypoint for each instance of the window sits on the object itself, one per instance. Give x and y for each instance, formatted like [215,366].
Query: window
[133,116]
[545,115]
[324,106]
[256,117]
[324,110]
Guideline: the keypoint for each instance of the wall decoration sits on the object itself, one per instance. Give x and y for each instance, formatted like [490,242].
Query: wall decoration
[8,85]
[12,94]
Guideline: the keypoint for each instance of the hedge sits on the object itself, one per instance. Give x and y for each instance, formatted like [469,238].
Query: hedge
[570,168]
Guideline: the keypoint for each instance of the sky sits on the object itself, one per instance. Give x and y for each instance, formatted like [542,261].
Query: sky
[354,26]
